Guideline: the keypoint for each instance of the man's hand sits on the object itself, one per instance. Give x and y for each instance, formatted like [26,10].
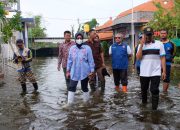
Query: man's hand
[163,76]
[67,74]
[103,65]
[143,40]
[23,60]
[16,60]
[91,75]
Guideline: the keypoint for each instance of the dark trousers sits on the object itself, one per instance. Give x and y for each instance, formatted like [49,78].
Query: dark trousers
[154,86]
[138,70]
[101,79]
[84,85]
[168,73]
[67,79]
[120,75]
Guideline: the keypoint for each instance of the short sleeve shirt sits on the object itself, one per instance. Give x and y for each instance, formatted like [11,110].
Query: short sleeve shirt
[151,59]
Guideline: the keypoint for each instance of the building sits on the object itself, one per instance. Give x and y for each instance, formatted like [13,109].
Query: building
[8,48]
[142,14]
[105,31]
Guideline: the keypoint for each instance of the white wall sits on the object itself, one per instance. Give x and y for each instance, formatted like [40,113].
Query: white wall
[7,52]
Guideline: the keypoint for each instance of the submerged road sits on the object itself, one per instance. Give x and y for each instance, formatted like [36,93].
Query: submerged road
[107,111]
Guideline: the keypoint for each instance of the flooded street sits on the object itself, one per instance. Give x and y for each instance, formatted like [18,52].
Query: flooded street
[108,111]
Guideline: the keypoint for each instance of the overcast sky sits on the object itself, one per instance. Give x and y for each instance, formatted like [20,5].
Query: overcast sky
[60,15]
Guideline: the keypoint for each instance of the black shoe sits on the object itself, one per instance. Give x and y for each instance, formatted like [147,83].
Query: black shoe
[144,98]
[23,93]
[35,86]
[102,86]
[155,101]
[93,88]
[35,92]
[24,89]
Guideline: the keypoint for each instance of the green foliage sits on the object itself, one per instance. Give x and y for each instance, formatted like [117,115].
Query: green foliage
[177,60]
[92,24]
[13,24]
[37,31]
[3,19]
[166,19]
[178,51]
[105,47]
[7,26]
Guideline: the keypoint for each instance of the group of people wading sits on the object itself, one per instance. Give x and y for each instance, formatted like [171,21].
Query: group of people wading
[84,61]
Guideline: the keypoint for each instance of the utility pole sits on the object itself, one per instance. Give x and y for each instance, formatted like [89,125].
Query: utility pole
[132,26]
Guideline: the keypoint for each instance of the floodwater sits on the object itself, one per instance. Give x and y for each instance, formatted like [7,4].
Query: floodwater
[107,111]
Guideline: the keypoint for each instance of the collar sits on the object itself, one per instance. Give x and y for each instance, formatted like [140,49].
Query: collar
[118,44]
[68,42]
[82,47]
[150,42]
[165,41]
[89,41]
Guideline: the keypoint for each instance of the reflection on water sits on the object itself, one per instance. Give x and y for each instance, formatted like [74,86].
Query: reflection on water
[107,111]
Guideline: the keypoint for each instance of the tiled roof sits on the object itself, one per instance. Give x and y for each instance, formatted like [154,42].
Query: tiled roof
[105,25]
[147,6]
[105,35]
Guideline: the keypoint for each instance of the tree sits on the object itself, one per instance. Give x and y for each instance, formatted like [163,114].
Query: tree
[105,47]
[92,24]
[7,26]
[37,31]
[166,19]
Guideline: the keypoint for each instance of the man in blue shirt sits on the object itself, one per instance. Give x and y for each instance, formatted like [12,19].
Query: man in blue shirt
[80,66]
[22,58]
[170,50]
[120,52]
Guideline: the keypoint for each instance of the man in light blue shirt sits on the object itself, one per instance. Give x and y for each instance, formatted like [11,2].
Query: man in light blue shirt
[80,66]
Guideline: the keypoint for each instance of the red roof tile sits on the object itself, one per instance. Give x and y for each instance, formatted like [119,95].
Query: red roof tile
[147,6]
[105,35]
[105,25]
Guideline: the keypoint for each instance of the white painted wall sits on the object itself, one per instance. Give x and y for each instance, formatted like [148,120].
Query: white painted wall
[7,52]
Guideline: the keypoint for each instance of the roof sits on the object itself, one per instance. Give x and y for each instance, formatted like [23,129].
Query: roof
[29,21]
[103,33]
[147,7]
[105,25]
[108,35]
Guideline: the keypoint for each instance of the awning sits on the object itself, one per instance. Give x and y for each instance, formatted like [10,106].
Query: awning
[176,41]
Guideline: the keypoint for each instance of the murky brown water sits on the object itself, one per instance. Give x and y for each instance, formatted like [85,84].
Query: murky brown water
[108,111]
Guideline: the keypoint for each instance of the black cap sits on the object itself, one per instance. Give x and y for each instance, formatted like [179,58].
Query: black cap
[19,41]
[104,72]
[148,31]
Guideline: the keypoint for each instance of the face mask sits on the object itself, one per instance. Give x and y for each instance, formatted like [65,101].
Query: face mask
[79,41]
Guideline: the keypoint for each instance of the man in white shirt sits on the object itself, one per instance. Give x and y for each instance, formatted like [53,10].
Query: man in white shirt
[152,56]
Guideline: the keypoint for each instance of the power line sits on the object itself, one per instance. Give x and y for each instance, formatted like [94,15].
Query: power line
[75,19]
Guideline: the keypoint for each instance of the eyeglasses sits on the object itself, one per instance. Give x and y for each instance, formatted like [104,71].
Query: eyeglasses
[79,38]
[117,37]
